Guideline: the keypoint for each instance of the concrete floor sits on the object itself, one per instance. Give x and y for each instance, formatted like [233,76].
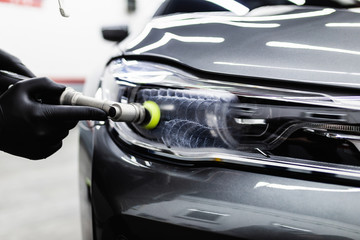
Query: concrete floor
[40,199]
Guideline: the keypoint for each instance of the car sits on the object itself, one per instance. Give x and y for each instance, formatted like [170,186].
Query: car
[259,133]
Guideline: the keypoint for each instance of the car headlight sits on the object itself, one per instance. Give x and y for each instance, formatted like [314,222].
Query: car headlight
[226,121]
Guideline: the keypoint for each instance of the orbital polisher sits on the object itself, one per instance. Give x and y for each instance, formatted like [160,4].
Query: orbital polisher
[147,114]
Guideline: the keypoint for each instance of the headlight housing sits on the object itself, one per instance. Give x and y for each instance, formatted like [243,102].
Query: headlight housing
[223,121]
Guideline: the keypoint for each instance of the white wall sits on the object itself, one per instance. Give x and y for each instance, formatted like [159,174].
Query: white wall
[53,46]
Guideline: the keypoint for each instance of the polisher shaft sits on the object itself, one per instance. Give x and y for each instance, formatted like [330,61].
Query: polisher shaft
[119,112]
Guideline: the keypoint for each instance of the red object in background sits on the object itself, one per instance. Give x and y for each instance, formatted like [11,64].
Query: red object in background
[68,80]
[32,3]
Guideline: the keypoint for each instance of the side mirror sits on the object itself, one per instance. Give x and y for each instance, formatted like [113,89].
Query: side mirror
[115,33]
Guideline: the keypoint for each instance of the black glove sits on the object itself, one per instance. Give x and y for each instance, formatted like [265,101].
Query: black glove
[32,125]
[11,64]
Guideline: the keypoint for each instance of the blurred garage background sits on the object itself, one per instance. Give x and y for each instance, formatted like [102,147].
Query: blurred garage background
[39,199]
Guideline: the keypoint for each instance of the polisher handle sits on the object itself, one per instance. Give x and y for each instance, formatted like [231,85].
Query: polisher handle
[119,112]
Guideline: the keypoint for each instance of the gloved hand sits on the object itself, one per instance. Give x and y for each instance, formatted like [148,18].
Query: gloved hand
[12,64]
[32,125]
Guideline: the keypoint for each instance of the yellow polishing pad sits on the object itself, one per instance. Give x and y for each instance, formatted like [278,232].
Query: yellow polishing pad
[155,114]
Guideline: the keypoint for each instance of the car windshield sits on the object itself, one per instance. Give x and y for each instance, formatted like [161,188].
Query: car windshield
[238,6]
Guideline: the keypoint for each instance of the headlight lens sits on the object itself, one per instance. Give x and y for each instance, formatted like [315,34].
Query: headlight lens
[209,120]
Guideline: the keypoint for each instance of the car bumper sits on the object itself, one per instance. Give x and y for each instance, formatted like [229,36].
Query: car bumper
[139,198]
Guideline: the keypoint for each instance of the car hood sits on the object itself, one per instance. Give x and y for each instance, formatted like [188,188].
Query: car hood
[307,44]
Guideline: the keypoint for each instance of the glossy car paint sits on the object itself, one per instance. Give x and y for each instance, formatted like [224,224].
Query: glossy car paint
[140,198]
[136,196]
[285,43]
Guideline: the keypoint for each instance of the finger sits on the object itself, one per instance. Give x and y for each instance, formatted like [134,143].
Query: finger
[34,150]
[50,132]
[20,69]
[42,151]
[7,80]
[42,87]
[72,113]
[23,70]
[13,64]
[69,124]
[54,137]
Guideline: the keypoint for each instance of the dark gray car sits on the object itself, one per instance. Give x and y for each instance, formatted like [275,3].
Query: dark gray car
[259,131]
